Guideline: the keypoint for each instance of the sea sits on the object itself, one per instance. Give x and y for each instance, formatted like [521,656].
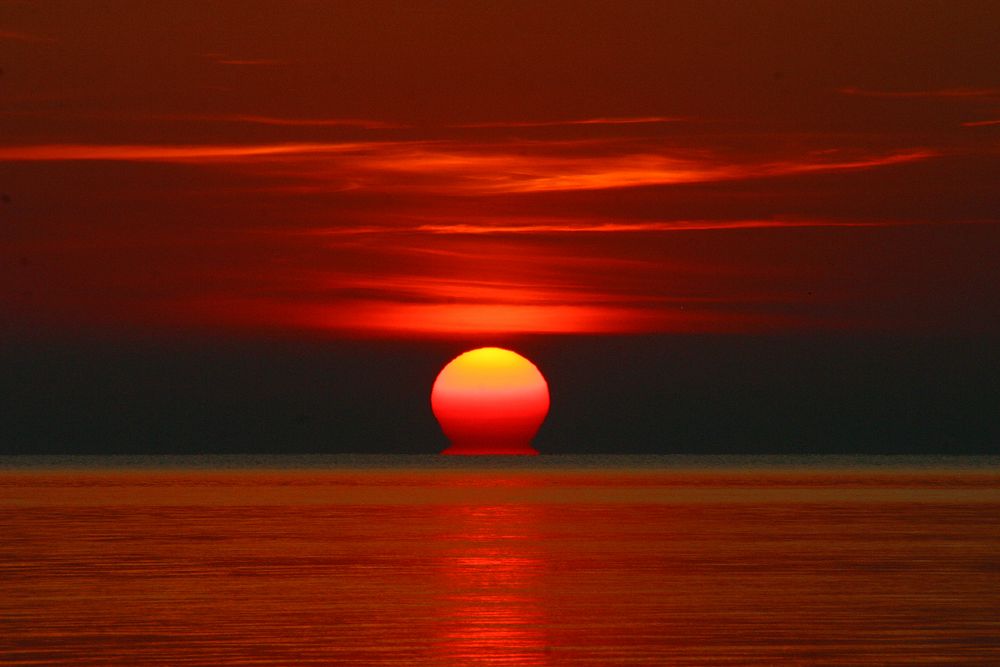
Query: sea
[548,560]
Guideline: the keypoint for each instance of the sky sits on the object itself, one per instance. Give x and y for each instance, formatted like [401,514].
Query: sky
[673,182]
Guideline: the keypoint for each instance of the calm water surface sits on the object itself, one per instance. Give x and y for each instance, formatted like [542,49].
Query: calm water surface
[582,561]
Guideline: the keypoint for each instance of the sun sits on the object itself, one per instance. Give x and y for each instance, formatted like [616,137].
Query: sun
[490,401]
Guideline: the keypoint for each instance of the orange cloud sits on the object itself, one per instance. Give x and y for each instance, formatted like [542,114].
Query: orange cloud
[528,167]
[981,123]
[576,227]
[160,153]
[459,168]
[467,289]
[389,318]
[529,225]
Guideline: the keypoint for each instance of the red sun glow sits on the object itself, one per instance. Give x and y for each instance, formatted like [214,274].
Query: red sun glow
[490,401]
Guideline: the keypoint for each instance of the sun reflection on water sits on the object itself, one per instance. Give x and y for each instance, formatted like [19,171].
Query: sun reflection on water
[491,612]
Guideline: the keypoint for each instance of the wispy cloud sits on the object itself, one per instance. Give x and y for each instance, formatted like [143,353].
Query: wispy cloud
[530,168]
[945,93]
[469,289]
[163,153]
[583,227]
[981,123]
[390,318]
[470,168]
[527,225]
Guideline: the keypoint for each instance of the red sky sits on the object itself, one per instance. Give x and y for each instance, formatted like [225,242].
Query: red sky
[439,168]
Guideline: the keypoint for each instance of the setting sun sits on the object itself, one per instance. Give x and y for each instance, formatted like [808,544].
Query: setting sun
[490,401]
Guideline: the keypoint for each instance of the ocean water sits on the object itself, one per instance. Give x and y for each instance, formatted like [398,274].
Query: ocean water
[537,561]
